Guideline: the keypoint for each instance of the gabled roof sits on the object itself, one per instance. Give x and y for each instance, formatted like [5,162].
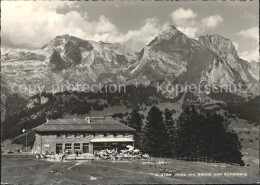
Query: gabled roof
[83,125]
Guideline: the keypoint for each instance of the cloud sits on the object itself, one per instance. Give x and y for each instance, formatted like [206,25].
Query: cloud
[250,55]
[186,21]
[136,39]
[182,16]
[191,32]
[212,21]
[30,25]
[252,33]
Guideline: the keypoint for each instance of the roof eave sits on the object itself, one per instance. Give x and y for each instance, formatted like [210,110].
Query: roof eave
[83,130]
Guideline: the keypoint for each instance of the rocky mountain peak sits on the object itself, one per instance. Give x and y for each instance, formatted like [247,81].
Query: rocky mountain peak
[218,44]
[168,33]
[61,41]
[170,40]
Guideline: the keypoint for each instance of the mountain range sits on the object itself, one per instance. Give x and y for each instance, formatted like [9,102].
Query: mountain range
[171,57]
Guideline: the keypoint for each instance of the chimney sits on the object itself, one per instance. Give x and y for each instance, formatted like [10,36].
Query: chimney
[88,119]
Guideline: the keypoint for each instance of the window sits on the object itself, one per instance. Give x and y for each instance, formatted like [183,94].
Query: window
[85,147]
[68,146]
[76,146]
[98,134]
[59,135]
[68,135]
[115,134]
[77,135]
[58,148]
[125,134]
[105,134]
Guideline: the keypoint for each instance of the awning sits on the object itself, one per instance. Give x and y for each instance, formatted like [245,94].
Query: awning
[106,140]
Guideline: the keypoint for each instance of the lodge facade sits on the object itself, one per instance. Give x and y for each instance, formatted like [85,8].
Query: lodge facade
[81,135]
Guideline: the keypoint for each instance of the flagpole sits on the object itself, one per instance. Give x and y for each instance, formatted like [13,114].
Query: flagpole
[26,141]
[25,131]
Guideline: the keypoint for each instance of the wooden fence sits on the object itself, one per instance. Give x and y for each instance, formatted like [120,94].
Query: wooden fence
[202,159]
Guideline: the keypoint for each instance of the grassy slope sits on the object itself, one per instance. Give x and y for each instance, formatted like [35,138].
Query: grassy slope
[32,171]
[249,138]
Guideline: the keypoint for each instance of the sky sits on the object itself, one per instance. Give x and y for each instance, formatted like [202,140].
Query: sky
[28,25]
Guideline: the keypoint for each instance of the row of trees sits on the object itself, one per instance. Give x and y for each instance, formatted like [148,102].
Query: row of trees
[192,135]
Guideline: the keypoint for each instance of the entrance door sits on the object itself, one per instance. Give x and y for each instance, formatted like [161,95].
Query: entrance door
[58,148]
[85,148]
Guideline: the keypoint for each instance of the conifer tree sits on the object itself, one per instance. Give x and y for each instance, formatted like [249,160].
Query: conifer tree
[168,119]
[155,138]
[135,121]
[169,123]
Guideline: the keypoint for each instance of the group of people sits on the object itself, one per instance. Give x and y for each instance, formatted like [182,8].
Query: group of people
[129,153]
